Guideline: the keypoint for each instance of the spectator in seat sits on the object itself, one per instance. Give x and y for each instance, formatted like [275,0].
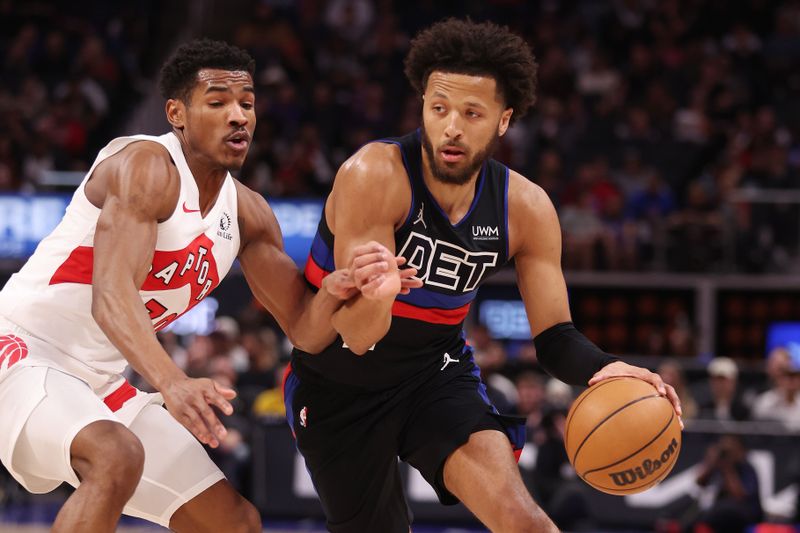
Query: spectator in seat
[735,503]
[781,403]
[723,401]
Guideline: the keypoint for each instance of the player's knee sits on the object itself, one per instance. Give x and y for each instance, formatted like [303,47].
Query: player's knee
[517,518]
[109,454]
[250,518]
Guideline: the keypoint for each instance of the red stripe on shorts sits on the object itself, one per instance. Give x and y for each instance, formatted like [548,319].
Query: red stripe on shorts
[117,399]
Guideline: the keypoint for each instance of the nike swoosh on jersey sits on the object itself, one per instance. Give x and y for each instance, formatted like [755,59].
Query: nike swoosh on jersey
[187,210]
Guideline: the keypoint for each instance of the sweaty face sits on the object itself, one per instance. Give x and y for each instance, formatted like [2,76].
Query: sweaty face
[220,117]
[463,117]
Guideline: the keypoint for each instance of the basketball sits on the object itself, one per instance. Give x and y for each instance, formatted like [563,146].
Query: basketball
[621,436]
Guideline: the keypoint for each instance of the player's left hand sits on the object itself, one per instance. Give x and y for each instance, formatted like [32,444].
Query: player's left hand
[189,401]
[619,369]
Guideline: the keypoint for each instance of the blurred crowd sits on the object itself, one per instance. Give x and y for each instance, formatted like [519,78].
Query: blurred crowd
[652,117]
[666,132]
[71,75]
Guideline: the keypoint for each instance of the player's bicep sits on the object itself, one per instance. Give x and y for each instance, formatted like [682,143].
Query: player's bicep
[123,245]
[352,234]
[538,264]
[139,191]
[366,204]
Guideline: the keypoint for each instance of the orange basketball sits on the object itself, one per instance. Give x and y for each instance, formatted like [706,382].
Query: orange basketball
[621,436]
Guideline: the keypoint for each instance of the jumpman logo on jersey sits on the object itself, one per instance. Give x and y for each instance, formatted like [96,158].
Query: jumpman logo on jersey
[419,216]
[447,360]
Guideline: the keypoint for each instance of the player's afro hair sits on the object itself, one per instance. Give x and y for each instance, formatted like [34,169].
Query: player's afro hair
[179,73]
[478,49]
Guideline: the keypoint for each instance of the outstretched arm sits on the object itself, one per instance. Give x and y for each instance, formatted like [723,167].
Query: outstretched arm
[135,189]
[305,316]
[561,349]
[277,283]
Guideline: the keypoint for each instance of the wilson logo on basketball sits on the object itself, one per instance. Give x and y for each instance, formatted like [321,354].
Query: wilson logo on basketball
[648,468]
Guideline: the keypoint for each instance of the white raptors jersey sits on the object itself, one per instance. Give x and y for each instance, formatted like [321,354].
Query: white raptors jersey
[51,296]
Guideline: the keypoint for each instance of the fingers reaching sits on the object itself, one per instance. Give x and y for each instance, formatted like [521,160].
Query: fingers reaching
[366,273]
[371,246]
[366,259]
[373,284]
[194,422]
[212,423]
[657,382]
[340,283]
[672,396]
[219,396]
[191,400]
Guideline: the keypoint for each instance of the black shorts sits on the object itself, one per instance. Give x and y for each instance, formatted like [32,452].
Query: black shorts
[351,440]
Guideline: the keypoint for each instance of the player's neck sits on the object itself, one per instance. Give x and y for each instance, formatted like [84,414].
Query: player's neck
[207,175]
[454,199]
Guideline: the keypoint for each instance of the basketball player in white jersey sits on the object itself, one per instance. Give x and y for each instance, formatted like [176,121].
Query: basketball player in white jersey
[150,232]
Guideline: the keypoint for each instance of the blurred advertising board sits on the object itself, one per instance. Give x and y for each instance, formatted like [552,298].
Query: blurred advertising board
[25,219]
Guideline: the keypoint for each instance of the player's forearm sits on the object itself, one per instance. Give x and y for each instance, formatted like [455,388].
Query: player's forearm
[313,331]
[569,356]
[123,319]
[362,322]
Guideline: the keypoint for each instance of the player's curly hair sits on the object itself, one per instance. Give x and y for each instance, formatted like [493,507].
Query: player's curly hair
[179,73]
[486,49]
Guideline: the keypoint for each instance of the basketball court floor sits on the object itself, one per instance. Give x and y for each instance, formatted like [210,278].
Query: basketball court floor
[286,528]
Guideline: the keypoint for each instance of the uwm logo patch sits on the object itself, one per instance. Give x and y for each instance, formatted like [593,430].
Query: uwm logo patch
[443,264]
[485,233]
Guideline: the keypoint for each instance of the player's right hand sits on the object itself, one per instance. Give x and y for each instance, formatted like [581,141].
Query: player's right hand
[189,401]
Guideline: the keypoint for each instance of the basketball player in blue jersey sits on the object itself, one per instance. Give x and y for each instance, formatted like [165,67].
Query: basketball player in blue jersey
[400,380]
[149,233]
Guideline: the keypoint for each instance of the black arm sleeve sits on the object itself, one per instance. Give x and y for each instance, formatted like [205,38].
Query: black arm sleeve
[567,355]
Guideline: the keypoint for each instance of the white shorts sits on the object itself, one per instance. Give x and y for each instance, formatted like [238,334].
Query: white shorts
[44,408]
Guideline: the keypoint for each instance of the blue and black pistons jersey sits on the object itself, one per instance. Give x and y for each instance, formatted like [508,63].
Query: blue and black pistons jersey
[452,260]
